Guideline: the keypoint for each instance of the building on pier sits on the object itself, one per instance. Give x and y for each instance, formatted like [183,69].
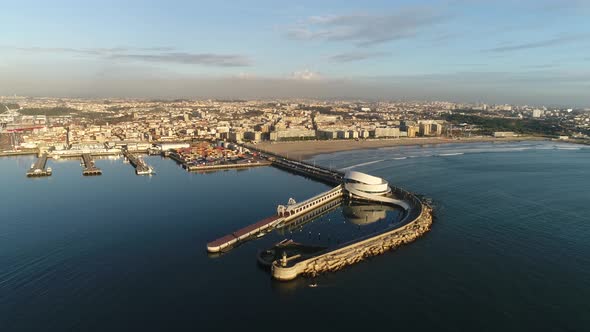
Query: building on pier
[370,188]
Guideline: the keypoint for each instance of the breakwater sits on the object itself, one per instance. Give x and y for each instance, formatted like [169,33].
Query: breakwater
[416,221]
[289,268]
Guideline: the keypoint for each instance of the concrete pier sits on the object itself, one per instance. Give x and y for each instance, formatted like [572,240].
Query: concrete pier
[323,174]
[38,168]
[141,167]
[89,167]
[284,215]
[302,168]
[230,240]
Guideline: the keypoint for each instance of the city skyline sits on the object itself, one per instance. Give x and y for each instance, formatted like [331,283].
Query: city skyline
[532,52]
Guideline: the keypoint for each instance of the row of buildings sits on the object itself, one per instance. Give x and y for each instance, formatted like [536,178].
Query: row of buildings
[59,123]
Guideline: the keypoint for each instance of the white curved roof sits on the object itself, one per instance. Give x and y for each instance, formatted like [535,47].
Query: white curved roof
[363,178]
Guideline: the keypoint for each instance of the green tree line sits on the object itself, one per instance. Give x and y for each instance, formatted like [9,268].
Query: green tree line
[522,126]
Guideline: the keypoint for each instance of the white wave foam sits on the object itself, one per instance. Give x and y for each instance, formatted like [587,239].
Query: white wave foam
[451,154]
[362,164]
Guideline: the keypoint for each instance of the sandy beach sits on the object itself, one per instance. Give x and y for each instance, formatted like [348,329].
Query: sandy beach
[308,149]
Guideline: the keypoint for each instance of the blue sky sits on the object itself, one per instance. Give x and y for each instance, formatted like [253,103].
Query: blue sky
[535,52]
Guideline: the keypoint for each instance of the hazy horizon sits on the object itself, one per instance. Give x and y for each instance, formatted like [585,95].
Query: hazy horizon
[530,52]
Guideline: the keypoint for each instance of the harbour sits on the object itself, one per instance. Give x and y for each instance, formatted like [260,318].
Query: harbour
[151,244]
[354,185]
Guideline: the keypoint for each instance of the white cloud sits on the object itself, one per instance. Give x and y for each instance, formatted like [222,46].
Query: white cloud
[306,75]
[367,29]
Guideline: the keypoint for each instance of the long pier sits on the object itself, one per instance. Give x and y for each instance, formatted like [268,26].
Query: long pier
[284,215]
[323,174]
[38,168]
[141,167]
[89,166]
[227,242]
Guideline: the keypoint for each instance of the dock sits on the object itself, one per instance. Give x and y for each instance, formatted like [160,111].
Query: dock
[38,168]
[89,166]
[216,167]
[285,214]
[141,167]
[316,172]
[195,168]
[232,239]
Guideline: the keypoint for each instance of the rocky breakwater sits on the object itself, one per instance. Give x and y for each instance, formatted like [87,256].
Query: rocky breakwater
[288,268]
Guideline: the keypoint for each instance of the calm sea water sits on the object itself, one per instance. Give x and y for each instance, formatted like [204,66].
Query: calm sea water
[509,249]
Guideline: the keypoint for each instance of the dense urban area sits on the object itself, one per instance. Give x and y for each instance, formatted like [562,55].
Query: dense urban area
[56,124]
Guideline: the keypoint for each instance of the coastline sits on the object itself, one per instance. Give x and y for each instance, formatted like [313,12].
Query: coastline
[308,149]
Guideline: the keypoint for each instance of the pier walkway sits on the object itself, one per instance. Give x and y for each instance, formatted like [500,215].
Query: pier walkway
[232,239]
[89,167]
[324,174]
[284,215]
[38,168]
[141,167]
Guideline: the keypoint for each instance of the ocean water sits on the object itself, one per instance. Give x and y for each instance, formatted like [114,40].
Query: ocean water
[509,248]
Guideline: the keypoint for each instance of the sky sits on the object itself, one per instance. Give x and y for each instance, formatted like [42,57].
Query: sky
[519,52]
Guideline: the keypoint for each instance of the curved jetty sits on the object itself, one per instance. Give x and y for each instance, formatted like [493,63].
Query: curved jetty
[289,264]
[289,267]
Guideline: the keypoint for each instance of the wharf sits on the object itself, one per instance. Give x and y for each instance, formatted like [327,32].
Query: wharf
[18,153]
[230,240]
[89,167]
[323,174]
[198,168]
[193,168]
[38,168]
[141,167]
[285,214]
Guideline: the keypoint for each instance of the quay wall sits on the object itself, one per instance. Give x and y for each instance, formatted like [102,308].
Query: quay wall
[181,162]
[17,153]
[218,167]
